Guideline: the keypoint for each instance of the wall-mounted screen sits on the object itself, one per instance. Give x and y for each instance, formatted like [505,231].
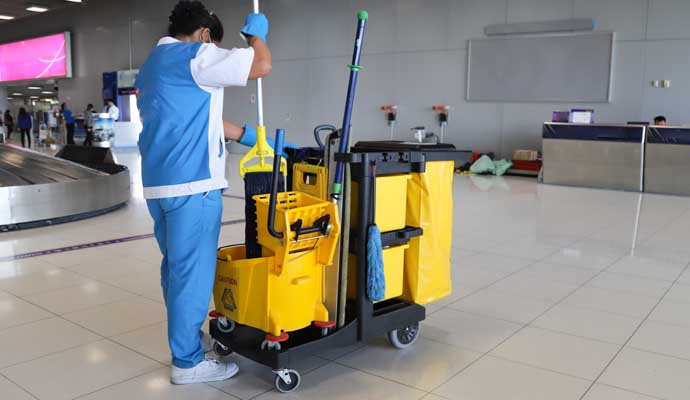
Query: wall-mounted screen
[38,58]
[559,68]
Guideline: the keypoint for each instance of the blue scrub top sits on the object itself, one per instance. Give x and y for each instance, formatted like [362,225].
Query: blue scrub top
[69,119]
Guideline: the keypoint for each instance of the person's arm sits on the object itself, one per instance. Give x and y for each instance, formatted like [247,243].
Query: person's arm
[263,63]
[232,131]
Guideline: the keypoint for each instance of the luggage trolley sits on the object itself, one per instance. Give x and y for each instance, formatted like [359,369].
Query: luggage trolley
[396,317]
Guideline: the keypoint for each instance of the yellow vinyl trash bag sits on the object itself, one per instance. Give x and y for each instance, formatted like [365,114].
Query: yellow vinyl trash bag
[430,207]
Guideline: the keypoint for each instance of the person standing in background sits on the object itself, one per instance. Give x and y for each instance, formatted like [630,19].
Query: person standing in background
[69,122]
[88,125]
[660,120]
[9,123]
[24,125]
[3,131]
[112,109]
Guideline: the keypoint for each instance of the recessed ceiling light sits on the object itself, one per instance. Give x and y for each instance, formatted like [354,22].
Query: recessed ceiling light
[34,87]
[6,17]
[74,1]
[10,98]
[46,92]
[34,97]
[37,9]
[17,94]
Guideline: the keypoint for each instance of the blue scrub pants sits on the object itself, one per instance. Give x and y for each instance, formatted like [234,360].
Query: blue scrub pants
[187,229]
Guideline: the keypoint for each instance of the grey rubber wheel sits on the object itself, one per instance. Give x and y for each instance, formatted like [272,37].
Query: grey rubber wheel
[227,327]
[283,387]
[404,337]
[271,346]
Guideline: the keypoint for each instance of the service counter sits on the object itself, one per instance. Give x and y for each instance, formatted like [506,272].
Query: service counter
[667,160]
[606,156]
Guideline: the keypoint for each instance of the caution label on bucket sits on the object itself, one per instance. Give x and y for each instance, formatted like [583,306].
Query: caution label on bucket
[229,300]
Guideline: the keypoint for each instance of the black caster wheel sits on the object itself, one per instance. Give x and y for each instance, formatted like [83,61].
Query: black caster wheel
[405,337]
[285,375]
[221,350]
[271,346]
[226,325]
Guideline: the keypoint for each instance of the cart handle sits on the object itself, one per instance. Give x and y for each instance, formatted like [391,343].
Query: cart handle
[321,128]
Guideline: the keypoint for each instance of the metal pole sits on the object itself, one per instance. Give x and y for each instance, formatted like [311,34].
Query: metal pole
[259,86]
[364,307]
[354,73]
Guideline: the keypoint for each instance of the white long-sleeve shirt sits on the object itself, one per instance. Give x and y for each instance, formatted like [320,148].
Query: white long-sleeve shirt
[113,111]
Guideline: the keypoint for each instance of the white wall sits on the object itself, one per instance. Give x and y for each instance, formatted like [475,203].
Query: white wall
[415,56]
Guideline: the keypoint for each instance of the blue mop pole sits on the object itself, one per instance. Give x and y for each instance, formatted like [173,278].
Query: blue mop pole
[354,73]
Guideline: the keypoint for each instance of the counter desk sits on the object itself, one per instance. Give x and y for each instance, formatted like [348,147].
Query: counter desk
[667,160]
[606,156]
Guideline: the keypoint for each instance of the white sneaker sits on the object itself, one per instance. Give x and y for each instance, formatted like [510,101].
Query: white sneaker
[208,370]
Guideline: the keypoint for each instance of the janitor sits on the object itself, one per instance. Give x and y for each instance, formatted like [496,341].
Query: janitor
[182,146]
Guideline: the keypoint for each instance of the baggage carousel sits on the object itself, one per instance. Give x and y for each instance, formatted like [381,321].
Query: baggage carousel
[37,189]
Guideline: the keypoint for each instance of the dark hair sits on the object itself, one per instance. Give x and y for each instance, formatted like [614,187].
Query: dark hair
[63,106]
[89,106]
[187,17]
[659,118]
[22,111]
[216,29]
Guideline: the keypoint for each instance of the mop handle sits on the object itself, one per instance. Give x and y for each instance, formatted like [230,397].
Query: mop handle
[259,86]
[362,17]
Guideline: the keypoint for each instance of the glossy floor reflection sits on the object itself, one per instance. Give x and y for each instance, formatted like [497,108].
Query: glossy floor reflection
[559,293]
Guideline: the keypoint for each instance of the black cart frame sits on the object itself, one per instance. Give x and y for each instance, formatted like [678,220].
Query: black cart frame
[364,319]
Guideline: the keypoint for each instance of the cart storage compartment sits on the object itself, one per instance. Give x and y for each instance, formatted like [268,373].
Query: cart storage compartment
[393,267]
[391,201]
[430,207]
[253,292]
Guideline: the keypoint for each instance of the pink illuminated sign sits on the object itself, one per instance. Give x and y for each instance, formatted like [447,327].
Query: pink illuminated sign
[39,58]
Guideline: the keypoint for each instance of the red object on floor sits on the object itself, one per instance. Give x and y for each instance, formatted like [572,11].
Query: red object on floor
[214,314]
[527,165]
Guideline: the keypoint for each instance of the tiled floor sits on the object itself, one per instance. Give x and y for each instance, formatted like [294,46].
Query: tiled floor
[552,300]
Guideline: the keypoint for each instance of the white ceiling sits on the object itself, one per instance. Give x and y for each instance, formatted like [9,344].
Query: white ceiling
[17,8]
[26,92]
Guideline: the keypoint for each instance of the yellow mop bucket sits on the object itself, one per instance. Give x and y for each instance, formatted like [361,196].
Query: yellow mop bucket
[307,223]
[251,291]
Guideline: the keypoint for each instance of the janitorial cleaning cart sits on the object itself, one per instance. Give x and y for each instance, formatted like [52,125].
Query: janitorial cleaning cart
[342,266]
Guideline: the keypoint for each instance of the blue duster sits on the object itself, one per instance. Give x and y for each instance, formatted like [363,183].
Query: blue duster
[376,279]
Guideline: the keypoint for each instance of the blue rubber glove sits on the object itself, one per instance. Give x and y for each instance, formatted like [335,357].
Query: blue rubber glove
[249,139]
[256,25]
